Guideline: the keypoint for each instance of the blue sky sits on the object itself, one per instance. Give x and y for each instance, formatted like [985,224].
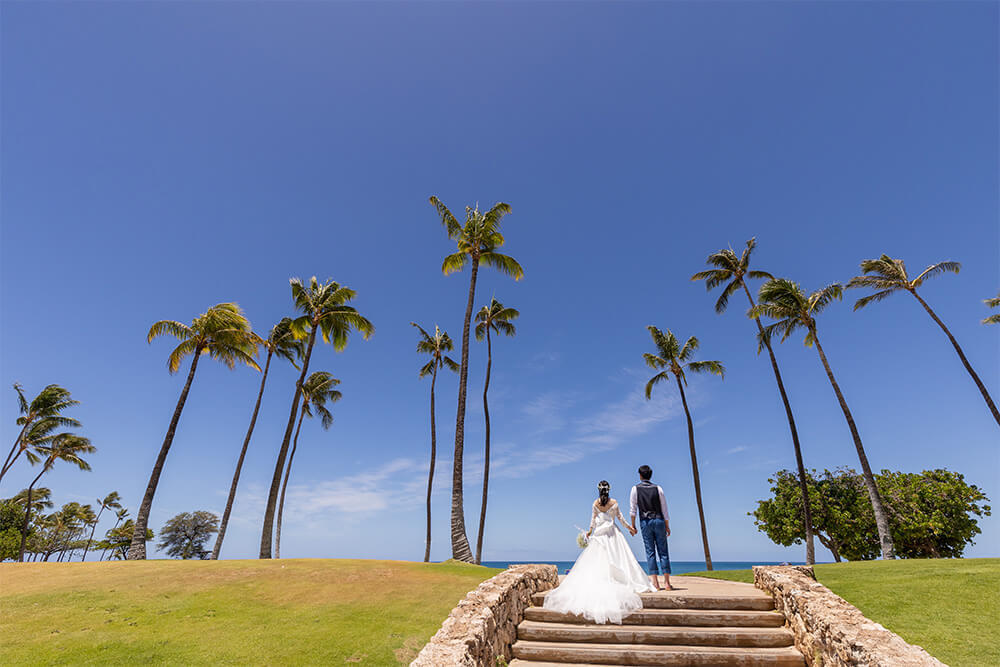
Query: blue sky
[158,158]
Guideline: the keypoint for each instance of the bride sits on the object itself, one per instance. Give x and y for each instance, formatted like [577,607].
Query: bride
[605,582]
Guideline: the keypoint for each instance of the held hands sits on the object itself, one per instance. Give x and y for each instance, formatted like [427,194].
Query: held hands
[633,531]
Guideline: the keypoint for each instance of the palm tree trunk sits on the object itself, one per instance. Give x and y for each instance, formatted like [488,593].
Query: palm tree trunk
[284,485]
[881,520]
[430,474]
[697,477]
[806,511]
[239,462]
[91,539]
[272,496]
[12,456]
[486,460]
[27,512]
[459,540]
[137,550]
[961,355]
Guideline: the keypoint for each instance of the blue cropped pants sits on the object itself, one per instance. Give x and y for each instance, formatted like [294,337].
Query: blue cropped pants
[654,538]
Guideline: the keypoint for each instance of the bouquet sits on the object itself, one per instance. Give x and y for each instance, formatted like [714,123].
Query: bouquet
[582,540]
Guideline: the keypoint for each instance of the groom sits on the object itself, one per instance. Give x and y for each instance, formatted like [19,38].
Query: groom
[648,501]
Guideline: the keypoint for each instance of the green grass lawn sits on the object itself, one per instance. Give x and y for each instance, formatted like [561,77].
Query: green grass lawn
[950,607]
[253,612]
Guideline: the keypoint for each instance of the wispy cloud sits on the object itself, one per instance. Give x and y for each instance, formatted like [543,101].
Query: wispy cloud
[737,449]
[605,428]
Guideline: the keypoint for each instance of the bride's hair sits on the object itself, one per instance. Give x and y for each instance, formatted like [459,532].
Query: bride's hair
[604,491]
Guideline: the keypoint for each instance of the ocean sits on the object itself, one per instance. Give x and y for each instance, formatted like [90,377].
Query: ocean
[676,567]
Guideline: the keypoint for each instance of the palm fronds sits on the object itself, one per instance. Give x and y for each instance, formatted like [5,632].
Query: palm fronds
[435,345]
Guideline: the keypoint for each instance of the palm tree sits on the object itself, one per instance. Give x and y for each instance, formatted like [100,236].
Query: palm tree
[477,241]
[120,515]
[39,418]
[111,501]
[326,311]
[494,317]
[85,516]
[279,342]
[40,498]
[223,332]
[888,275]
[733,272]
[675,359]
[436,346]
[992,303]
[67,447]
[784,301]
[317,391]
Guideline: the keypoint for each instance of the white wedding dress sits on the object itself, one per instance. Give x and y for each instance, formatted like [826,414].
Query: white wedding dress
[604,584]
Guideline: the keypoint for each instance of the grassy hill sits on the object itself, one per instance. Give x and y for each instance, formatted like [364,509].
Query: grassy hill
[289,612]
[950,607]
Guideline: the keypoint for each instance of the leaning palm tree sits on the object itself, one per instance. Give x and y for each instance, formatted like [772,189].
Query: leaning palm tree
[326,312]
[67,447]
[784,301]
[39,419]
[279,342]
[110,501]
[317,391]
[675,359]
[492,318]
[120,515]
[888,275]
[41,498]
[477,240]
[223,332]
[732,271]
[992,303]
[436,346]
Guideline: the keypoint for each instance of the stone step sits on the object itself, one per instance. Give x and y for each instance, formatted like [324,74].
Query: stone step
[681,617]
[761,602]
[653,656]
[655,635]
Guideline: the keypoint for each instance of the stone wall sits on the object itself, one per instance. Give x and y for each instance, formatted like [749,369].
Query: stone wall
[828,630]
[484,624]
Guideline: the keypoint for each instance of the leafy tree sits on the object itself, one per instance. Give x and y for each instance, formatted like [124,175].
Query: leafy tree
[477,242]
[732,271]
[674,358]
[186,535]
[281,341]
[784,301]
[317,391]
[932,514]
[992,303]
[888,276]
[64,447]
[436,346]
[11,522]
[492,318]
[223,332]
[326,312]
[39,419]
[110,501]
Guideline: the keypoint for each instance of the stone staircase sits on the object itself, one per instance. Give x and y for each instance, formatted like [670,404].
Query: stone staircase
[705,622]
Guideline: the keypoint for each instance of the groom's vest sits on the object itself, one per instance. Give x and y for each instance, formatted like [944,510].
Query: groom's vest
[647,496]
